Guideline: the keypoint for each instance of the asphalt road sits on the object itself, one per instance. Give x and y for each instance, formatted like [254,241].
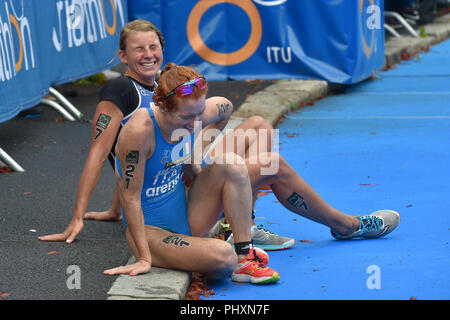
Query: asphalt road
[40,201]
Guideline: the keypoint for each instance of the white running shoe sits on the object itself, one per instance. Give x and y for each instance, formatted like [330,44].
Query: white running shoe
[265,239]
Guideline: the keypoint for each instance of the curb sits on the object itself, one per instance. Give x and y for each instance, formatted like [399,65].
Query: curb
[278,99]
[159,284]
[272,103]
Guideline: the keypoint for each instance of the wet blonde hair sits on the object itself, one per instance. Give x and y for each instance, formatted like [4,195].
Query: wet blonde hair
[135,26]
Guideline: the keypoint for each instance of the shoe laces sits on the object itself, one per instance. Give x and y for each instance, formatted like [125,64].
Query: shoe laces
[261,227]
[369,223]
[257,260]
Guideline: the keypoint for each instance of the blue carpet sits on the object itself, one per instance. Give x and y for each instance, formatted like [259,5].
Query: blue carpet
[382,145]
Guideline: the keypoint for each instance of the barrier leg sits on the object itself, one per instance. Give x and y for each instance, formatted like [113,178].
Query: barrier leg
[58,108]
[402,21]
[392,31]
[4,157]
[66,103]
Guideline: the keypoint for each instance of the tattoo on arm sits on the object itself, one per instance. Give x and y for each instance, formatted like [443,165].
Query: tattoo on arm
[99,133]
[132,160]
[223,108]
[176,241]
[102,123]
[103,120]
[297,200]
[132,157]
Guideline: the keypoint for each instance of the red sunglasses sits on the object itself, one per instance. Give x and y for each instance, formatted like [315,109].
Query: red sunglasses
[186,88]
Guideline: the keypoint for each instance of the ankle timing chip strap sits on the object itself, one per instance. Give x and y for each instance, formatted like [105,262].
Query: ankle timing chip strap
[243,247]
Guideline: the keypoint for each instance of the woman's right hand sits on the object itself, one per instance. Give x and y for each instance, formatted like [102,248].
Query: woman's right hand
[141,267]
[74,228]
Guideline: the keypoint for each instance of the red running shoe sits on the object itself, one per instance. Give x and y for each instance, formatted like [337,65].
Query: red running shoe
[253,270]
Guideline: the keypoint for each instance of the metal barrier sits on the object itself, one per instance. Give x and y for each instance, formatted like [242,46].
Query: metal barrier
[402,21]
[66,109]
[66,104]
[49,42]
[4,157]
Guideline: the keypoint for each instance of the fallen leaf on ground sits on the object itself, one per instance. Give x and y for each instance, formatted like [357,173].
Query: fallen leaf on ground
[305,241]
[387,68]
[5,169]
[3,294]
[52,252]
[220,236]
[208,293]
[406,56]
[263,193]
[197,288]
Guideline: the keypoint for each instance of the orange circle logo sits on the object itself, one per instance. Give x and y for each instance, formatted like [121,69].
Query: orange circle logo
[224,59]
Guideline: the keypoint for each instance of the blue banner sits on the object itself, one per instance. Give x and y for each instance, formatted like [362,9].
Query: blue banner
[49,42]
[340,41]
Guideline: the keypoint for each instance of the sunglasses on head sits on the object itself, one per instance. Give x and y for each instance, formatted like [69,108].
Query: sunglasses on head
[186,88]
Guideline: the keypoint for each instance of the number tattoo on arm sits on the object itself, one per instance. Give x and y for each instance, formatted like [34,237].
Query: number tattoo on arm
[132,160]
[102,123]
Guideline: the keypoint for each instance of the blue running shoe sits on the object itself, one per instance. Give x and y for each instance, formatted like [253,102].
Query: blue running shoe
[375,225]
